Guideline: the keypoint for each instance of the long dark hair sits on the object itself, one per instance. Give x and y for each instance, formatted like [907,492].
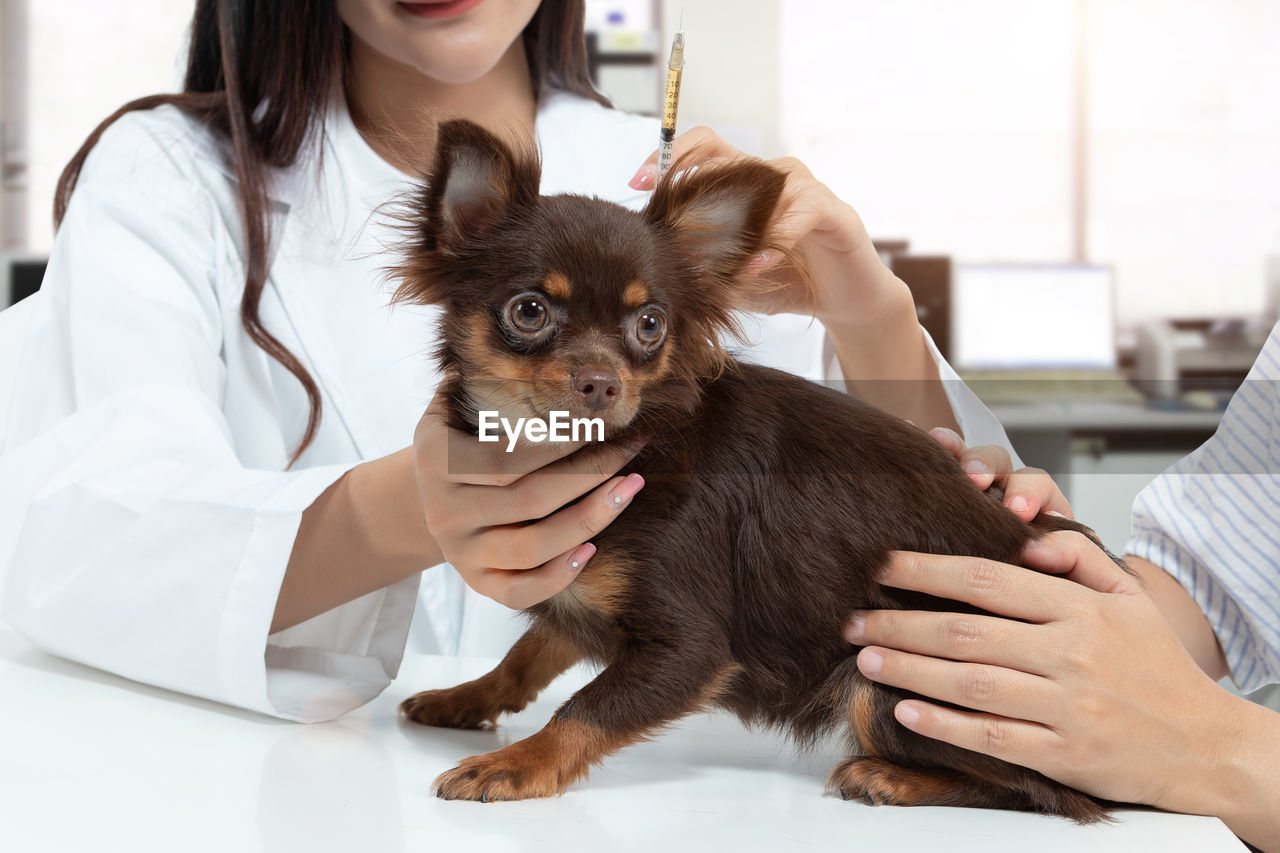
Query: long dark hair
[257,75]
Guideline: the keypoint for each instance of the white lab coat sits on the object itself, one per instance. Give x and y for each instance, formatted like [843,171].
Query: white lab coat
[145,516]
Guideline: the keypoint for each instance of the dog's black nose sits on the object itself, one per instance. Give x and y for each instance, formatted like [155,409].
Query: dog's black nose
[599,387]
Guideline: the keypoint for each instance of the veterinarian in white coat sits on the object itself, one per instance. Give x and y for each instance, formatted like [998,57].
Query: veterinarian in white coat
[146,514]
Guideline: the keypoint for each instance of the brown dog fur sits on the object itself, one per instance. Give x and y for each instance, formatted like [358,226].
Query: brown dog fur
[771,502]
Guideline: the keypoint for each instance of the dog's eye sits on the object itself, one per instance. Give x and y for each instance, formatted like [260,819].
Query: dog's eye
[528,314]
[651,327]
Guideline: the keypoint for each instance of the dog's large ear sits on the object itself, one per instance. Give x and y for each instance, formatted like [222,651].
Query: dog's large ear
[718,215]
[476,181]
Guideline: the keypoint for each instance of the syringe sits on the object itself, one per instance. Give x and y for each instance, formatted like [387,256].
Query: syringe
[671,103]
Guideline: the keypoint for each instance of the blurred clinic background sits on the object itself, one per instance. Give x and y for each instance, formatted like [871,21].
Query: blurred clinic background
[1084,195]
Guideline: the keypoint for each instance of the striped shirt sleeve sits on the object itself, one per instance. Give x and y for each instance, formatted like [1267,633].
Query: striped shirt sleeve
[1212,521]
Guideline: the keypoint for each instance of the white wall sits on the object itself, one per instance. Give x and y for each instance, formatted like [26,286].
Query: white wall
[949,122]
[731,69]
[1185,160]
[86,59]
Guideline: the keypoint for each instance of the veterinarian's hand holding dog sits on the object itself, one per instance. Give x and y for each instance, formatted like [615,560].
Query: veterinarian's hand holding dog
[867,311]
[500,518]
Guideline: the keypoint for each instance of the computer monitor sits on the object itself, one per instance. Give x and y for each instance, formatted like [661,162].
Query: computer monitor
[20,275]
[1033,316]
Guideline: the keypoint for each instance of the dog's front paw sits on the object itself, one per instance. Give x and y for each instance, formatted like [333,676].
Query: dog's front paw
[872,781]
[452,708]
[503,775]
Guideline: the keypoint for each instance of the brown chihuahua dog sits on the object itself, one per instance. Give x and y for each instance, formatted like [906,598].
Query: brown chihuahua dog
[772,501]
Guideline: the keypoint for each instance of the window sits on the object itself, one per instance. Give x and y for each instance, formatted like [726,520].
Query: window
[959,126]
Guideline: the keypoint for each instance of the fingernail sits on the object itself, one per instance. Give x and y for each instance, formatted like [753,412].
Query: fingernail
[1055,513]
[978,473]
[645,178]
[625,491]
[942,435]
[853,631]
[579,557]
[870,662]
[1019,504]
[906,714]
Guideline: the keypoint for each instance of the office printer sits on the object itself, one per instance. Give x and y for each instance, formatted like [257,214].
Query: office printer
[1202,356]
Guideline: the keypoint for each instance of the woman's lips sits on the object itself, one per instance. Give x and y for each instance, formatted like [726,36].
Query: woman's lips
[438,8]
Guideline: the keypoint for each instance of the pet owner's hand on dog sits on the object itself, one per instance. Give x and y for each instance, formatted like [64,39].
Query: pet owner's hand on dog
[1027,491]
[867,311]
[500,518]
[1092,686]
[1031,491]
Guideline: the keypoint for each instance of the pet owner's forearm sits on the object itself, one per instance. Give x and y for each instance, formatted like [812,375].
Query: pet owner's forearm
[1242,778]
[1183,615]
[1242,759]
[886,361]
[365,532]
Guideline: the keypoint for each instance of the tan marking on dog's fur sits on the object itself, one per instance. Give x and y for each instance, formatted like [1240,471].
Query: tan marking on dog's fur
[556,285]
[862,709]
[542,765]
[659,371]
[533,662]
[547,763]
[636,294]
[884,783]
[498,380]
[717,687]
[494,363]
[601,587]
